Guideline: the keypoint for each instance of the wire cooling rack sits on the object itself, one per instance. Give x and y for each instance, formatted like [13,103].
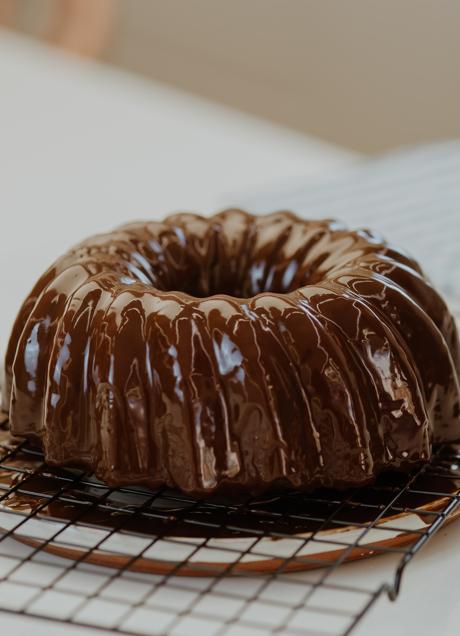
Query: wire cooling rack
[249,553]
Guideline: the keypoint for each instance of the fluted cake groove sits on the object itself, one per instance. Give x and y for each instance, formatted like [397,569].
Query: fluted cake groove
[235,354]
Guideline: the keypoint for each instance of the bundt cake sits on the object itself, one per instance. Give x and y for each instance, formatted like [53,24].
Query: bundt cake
[235,353]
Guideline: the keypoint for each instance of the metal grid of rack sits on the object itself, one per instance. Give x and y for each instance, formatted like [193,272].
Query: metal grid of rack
[60,526]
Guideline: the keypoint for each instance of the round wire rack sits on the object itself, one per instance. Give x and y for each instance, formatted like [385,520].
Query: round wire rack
[137,561]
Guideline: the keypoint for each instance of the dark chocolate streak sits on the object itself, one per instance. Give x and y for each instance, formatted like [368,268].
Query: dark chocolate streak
[234,353]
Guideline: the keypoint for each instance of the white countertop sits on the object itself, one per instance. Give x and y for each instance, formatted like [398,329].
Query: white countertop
[83,148]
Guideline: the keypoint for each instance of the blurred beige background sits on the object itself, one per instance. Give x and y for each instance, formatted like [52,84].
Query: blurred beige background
[366,74]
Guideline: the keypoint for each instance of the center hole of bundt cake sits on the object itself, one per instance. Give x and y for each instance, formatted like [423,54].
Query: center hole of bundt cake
[255,278]
[241,277]
[243,281]
[211,260]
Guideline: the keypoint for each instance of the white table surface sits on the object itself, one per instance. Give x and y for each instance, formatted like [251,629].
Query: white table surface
[83,148]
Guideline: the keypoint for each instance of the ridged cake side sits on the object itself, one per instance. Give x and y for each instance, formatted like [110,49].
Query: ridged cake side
[234,353]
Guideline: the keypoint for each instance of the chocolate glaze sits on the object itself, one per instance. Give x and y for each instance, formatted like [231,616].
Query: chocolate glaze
[234,353]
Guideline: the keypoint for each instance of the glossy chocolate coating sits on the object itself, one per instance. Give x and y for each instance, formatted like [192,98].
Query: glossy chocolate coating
[234,353]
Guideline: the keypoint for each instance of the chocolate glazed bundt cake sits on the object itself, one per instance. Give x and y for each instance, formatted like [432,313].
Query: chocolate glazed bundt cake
[235,353]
